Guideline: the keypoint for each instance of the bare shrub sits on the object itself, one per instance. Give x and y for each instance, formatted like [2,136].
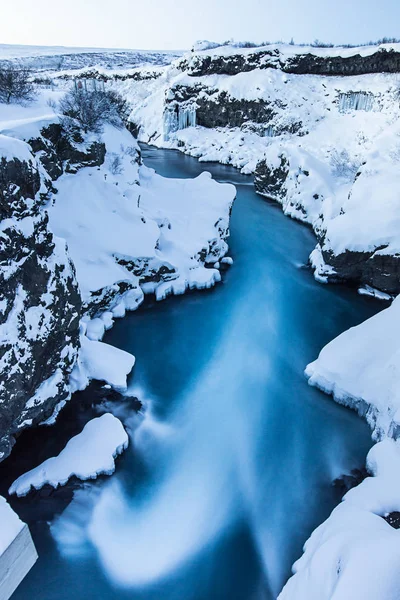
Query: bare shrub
[15,85]
[92,109]
[343,165]
[116,167]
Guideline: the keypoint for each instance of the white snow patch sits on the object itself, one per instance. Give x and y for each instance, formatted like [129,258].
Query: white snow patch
[87,455]
[11,525]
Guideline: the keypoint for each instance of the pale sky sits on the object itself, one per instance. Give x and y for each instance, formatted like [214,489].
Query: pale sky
[176,24]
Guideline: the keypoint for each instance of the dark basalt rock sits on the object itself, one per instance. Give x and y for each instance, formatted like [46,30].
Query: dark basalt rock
[381,61]
[271,182]
[393,519]
[381,271]
[40,306]
[62,151]
[225,111]
[348,481]
[19,182]
[230,65]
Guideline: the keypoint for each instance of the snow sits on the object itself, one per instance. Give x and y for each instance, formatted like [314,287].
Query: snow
[10,149]
[11,525]
[355,553]
[86,456]
[344,157]
[102,362]
[363,364]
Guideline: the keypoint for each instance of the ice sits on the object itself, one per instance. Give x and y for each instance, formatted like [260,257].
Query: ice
[87,455]
[356,101]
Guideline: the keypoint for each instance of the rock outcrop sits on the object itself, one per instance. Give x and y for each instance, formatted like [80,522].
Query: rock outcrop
[379,61]
[39,301]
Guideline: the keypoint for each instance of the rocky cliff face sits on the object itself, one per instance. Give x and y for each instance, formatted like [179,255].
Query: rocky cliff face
[39,301]
[325,147]
[379,61]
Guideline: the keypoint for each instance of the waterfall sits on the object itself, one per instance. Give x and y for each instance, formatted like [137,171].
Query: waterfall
[182,119]
[356,101]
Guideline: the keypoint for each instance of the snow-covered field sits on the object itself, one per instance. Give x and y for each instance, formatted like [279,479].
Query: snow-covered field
[54,58]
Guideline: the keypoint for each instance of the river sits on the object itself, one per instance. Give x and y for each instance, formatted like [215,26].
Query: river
[231,467]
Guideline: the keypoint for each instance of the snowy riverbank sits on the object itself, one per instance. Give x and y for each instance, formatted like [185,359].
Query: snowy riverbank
[89,229]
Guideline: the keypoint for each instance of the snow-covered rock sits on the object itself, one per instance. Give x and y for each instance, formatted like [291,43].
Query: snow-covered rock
[361,368]
[355,553]
[325,147]
[39,299]
[87,455]
[84,226]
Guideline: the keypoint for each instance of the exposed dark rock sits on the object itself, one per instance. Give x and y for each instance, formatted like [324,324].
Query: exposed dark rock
[62,151]
[393,519]
[381,61]
[270,182]
[19,182]
[381,271]
[348,481]
[40,306]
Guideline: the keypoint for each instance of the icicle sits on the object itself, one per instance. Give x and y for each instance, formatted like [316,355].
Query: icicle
[185,118]
[269,131]
[170,124]
[356,101]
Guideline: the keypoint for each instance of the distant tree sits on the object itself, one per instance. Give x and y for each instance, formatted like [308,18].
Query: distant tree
[291,42]
[15,85]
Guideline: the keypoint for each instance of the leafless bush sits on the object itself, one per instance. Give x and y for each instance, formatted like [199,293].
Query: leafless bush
[116,167]
[343,165]
[92,109]
[15,85]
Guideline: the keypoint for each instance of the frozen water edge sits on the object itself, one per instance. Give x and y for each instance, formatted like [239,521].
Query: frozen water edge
[86,456]
[355,553]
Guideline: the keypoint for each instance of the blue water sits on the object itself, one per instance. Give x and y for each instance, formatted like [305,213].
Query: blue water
[231,467]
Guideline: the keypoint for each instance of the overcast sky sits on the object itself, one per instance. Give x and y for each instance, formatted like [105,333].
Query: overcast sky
[176,24]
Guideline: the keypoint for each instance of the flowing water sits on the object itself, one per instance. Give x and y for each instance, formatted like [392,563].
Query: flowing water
[231,467]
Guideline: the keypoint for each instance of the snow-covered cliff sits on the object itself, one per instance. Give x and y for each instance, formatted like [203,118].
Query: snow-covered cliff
[318,128]
[86,229]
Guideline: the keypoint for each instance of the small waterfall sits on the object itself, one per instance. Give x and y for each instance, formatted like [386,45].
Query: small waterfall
[356,101]
[181,118]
